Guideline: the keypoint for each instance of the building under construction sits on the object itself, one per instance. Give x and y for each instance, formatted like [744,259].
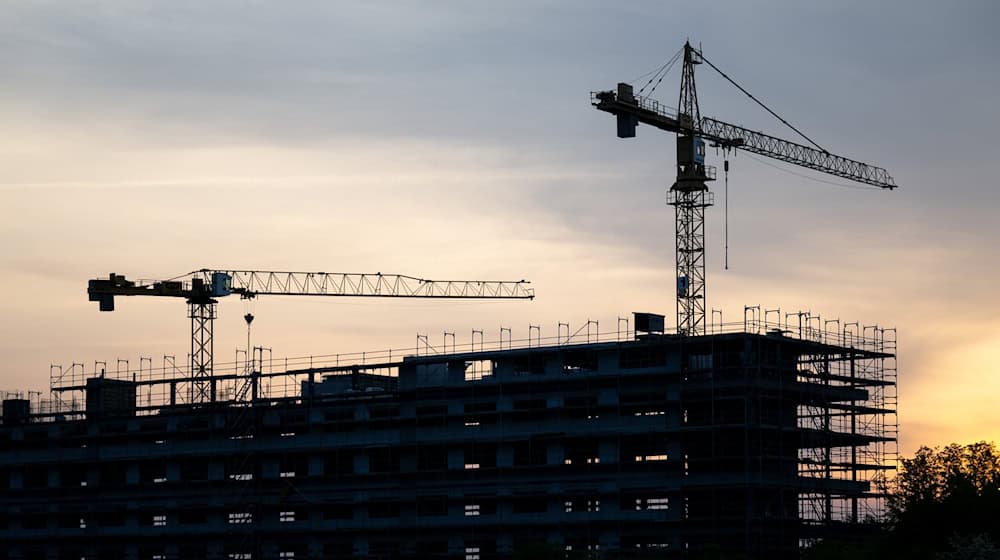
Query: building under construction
[749,440]
[753,439]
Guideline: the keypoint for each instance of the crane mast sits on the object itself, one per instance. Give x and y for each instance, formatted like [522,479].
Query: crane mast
[202,289]
[689,194]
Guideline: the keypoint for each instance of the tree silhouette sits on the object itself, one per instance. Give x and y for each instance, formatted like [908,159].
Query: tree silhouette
[944,505]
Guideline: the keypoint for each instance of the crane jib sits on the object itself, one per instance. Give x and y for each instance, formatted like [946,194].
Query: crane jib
[651,112]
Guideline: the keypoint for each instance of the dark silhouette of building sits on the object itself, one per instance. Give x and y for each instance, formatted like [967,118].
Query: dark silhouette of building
[659,446]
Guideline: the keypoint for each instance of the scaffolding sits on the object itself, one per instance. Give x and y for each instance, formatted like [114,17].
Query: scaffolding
[855,441]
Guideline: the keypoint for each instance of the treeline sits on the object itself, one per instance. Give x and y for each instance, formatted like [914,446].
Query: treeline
[944,505]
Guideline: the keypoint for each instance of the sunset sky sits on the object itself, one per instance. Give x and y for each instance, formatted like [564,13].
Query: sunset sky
[456,140]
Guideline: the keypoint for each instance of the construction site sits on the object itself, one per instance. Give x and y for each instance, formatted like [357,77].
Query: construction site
[751,439]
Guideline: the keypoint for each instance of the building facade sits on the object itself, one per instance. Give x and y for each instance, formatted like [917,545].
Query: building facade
[749,443]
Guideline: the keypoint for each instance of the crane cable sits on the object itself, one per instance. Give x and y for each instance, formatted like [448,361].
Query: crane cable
[759,102]
[662,72]
[725,166]
[809,177]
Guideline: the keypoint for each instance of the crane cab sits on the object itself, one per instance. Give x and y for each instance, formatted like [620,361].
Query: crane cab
[690,149]
[222,284]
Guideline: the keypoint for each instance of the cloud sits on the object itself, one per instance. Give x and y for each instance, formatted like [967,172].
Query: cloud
[457,139]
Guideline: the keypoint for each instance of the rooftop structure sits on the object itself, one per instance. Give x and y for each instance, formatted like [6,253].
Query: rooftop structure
[755,439]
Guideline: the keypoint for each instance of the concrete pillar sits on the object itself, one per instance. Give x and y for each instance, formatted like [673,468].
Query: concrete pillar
[408,462]
[315,466]
[361,465]
[173,472]
[361,547]
[456,372]
[54,478]
[673,410]
[456,546]
[215,550]
[456,459]
[132,515]
[93,475]
[505,544]
[608,451]
[132,474]
[270,468]
[555,453]
[505,455]
[608,361]
[609,539]
[675,452]
[505,404]
[216,470]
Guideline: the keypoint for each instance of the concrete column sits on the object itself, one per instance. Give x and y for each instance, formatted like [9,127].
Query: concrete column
[675,452]
[173,472]
[361,465]
[673,410]
[505,455]
[270,468]
[555,454]
[361,547]
[216,470]
[456,546]
[607,450]
[505,404]
[93,475]
[609,539]
[54,477]
[132,474]
[215,550]
[408,462]
[553,365]
[315,465]
[505,544]
[456,459]
[317,416]
[556,538]
[361,414]
[456,373]
[132,515]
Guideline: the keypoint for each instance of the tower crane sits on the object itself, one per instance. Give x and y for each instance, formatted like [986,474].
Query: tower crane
[202,289]
[689,195]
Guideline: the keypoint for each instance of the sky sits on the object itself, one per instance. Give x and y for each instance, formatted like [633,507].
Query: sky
[456,140]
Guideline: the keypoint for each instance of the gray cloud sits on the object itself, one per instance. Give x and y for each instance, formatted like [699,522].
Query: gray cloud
[502,90]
